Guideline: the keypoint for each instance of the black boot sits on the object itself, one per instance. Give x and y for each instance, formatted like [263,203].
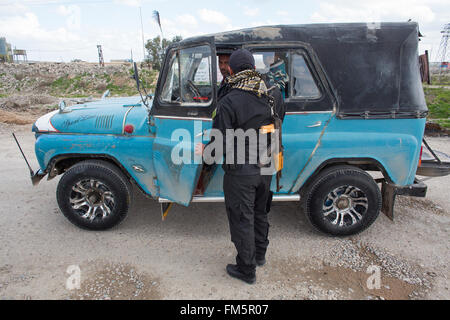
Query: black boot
[260,262]
[233,270]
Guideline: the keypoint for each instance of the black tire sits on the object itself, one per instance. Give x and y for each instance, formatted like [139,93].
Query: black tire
[102,186]
[342,200]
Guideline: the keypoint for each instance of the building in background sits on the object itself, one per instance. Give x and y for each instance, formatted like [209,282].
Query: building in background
[20,55]
[6,54]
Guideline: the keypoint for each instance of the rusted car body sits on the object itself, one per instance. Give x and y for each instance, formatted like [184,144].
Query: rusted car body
[354,103]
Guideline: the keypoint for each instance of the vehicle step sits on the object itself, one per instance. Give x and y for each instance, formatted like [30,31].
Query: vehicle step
[281,197]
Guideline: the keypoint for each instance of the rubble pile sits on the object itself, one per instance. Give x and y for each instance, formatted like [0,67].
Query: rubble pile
[36,88]
[61,78]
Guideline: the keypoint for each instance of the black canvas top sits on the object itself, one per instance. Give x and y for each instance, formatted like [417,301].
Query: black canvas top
[373,68]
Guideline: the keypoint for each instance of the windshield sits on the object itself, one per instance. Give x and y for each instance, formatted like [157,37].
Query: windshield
[189,77]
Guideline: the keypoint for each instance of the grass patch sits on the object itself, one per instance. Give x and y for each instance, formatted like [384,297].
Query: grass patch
[444,123]
[442,80]
[61,84]
[119,84]
[438,102]
[121,90]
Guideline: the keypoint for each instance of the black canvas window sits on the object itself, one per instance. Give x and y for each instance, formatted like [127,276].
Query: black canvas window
[303,84]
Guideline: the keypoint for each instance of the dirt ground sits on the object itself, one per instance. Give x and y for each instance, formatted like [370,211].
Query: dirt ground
[185,256]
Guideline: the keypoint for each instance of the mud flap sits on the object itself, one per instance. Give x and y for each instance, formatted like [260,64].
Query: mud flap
[388,194]
[390,191]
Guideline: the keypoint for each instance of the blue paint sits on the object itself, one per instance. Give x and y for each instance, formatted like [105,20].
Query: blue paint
[126,150]
[96,129]
[177,181]
[394,143]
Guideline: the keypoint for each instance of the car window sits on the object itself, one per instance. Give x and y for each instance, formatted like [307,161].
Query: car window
[171,88]
[274,66]
[189,77]
[303,84]
[288,71]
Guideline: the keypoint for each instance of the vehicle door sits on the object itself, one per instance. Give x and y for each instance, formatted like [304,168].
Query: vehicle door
[307,97]
[181,114]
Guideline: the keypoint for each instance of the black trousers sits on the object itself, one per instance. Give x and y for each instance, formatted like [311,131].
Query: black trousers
[246,199]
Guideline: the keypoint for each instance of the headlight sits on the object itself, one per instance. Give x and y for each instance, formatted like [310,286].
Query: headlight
[44,124]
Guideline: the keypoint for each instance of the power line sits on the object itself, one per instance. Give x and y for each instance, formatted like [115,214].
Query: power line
[61,50]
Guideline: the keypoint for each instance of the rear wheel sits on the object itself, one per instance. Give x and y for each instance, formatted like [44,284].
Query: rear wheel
[342,201]
[94,195]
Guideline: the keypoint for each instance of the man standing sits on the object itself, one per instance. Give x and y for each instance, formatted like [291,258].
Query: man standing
[224,60]
[247,106]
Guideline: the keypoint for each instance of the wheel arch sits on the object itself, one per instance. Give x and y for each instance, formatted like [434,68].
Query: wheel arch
[366,164]
[62,162]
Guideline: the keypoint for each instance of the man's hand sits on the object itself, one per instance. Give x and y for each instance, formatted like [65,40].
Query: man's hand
[199,147]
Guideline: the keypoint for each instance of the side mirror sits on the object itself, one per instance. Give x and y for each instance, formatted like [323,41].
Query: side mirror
[105,94]
[136,76]
[63,107]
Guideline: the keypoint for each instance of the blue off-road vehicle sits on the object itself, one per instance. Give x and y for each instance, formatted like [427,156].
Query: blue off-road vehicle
[354,103]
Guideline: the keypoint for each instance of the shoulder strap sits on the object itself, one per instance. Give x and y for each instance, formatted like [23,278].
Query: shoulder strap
[272,102]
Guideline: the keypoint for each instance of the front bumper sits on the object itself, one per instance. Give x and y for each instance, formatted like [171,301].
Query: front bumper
[37,176]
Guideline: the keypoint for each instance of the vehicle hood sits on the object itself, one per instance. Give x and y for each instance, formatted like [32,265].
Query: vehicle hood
[104,116]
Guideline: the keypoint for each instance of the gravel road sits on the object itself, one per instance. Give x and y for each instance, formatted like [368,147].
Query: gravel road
[184,257]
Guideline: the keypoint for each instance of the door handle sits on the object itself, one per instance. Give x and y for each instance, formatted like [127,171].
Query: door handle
[317,124]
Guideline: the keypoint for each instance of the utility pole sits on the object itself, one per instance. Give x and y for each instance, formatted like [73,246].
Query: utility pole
[101,62]
[442,55]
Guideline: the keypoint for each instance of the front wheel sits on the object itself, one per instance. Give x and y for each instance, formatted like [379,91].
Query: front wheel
[342,201]
[94,195]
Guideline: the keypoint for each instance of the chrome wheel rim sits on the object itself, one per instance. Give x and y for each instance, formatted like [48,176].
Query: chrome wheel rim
[91,199]
[345,206]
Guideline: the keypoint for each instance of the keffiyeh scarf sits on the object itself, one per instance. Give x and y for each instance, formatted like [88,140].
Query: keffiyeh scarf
[248,80]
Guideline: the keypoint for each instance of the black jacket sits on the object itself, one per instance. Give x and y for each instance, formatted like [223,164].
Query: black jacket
[239,109]
[223,90]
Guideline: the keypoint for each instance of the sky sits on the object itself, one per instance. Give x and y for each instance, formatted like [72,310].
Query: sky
[63,30]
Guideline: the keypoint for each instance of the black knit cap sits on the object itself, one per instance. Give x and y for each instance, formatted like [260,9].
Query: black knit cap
[241,59]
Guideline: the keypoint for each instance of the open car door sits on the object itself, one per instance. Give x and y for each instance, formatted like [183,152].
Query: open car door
[181,114]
